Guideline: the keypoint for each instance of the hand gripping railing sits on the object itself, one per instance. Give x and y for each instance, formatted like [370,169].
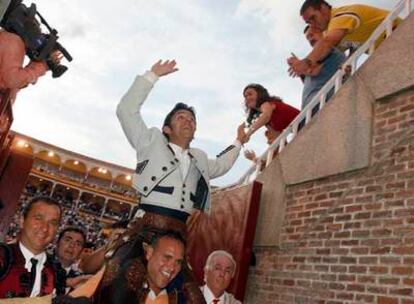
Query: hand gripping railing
[320,98]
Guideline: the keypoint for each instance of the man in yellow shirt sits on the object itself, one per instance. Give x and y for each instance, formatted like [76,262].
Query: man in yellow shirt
[345,27]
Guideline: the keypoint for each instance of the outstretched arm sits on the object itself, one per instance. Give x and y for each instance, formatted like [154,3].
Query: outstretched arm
[129,109]
[226,159]
[321,49]
[267,109]
[164,68]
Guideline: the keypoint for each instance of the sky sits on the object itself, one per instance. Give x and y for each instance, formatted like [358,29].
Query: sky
[219,46]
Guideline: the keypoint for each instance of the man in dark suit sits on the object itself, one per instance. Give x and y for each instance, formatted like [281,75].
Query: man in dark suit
[25,268]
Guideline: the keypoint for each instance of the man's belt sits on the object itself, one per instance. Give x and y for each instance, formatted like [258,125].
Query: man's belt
[179,215]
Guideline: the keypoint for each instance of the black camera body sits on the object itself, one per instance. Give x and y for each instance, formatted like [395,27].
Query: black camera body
[21,20]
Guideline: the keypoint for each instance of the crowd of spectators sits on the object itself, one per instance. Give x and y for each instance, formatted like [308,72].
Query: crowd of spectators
[82,179]
[123,190]
[85,215]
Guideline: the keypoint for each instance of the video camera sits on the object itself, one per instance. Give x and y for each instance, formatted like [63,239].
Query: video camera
[21,20]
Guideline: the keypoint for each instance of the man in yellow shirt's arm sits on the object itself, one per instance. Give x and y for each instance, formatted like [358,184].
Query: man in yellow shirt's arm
[344,27]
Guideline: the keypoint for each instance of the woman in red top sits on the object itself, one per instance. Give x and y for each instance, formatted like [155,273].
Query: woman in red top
[265,110]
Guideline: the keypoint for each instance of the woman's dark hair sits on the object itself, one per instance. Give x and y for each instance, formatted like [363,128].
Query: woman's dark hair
[262,97]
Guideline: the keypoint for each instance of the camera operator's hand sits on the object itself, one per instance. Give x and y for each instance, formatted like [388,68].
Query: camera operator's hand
[56,57]
[161,68]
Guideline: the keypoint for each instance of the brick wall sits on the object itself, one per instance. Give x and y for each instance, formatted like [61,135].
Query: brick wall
[349,238]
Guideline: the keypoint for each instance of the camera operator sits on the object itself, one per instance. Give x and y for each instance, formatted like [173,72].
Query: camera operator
[13,76]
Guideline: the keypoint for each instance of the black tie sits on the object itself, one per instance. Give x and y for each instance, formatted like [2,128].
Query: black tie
[33,272]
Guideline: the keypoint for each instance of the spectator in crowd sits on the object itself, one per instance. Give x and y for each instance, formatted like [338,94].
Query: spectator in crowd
[70,217]
[165,258]
[344,27]
[271,136]
[218,272]
[172,177]
[161,261]
[25,268]
[265,110]
[322,72]
[70,244]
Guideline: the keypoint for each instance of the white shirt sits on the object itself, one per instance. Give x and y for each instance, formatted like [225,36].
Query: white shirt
[67,269]
[209,296]
[41,259]
[225,298]
[183,158]
[152,296]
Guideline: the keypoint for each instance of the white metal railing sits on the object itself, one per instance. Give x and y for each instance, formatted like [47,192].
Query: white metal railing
[320,98]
